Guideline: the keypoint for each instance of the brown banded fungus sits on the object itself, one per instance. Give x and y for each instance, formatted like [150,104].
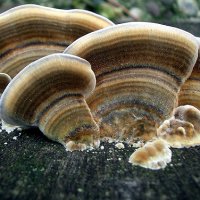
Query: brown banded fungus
[190,91]
[4,81]
[30,32]
[50,94]
[139,68]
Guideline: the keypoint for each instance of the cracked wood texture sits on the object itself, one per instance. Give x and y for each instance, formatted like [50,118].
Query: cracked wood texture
[33,167]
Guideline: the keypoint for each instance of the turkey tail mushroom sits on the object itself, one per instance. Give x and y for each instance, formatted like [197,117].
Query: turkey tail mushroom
[30,32]
[50,94]
[4,81]
[139,68]
[190,91]
[183,129]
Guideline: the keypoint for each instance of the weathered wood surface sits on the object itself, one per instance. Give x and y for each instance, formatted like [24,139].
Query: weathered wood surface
[32,167]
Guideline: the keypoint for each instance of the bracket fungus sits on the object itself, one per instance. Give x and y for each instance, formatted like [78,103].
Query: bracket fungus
[4,81]
[190,91]
[139,68]
[183,129]
[50,94]
[153,155]
[30,32]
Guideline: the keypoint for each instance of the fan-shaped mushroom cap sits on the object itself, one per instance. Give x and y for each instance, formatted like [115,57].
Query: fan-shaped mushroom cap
[4,81]
[49,93]
[139,69]
[153,155]
[30,32]
[190,91]
[183,129]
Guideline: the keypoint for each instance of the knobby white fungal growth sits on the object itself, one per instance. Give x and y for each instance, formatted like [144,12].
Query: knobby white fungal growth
[183,129]
[153,155]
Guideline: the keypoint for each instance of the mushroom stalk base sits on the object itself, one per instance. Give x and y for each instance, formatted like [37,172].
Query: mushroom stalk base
[123,125]
[132,105]
[70,122]
[121,119]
